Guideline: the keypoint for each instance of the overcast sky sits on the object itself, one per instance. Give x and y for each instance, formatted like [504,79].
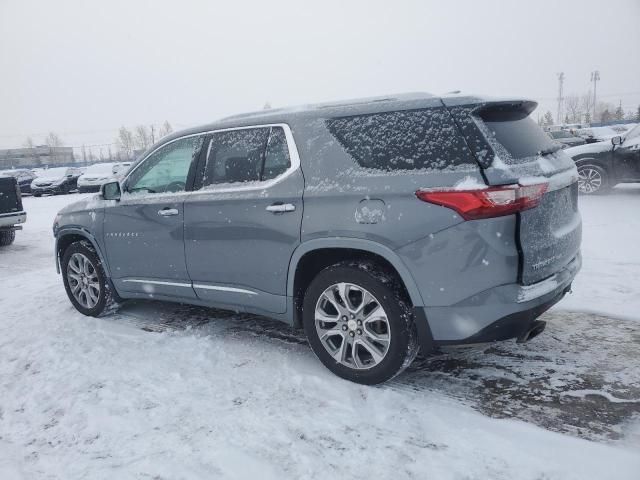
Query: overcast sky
[84,68]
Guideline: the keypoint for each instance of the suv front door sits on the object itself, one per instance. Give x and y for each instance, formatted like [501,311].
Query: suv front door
[243,223]
[143,232]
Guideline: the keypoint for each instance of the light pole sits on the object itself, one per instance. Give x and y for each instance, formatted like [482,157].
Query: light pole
[595,76]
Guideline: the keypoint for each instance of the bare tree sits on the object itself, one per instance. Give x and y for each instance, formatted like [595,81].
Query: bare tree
[267,106]
[33,153]
[619,113]
[604,111]
[53,140]
[165,129]
[142,137]
[548,118]
[586,106]
[572,104]
[125,142]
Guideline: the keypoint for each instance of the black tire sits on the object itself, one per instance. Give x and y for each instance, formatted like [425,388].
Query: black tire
[7,237]
[106,298]
[584,170]
[37,194]
[403,346]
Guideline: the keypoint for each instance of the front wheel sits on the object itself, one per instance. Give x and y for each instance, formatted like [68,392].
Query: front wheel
[592,179]
[85,280]
[358,323]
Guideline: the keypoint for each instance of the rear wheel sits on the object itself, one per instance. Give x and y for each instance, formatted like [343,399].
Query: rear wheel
[359,324]
[7,237]
[85,280]
[592,179]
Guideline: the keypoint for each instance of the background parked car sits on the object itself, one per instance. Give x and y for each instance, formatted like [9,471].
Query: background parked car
[56,180]
[603,165]
[596,134]
[566,138]
[100,173]
[23,177]
[12,215]
[95,176]
[120,169]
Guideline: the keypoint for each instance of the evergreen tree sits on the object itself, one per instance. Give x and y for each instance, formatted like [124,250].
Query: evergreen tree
[548,118]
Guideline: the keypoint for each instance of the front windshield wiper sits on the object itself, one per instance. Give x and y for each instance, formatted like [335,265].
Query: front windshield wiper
[549,150]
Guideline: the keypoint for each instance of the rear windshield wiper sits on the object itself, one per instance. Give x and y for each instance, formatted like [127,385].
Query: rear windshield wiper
[549,150]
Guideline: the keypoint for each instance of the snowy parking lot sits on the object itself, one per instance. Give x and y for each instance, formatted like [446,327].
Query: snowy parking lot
[167,391]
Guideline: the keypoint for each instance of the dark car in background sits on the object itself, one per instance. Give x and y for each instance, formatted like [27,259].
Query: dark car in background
[12,215]
[603,165]
[58,180]
[566,138]
[23,177]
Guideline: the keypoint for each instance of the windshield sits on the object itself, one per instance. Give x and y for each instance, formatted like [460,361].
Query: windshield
[634,132]
[53,173]
[106,168]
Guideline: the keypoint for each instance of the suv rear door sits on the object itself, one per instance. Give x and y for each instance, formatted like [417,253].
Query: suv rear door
[243,223]
[512,149]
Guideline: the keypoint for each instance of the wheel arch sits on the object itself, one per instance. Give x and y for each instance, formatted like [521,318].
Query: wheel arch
[314,255]
[69,235]
[599,162]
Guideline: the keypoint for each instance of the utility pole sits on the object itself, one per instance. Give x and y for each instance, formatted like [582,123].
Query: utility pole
[595,77]
[560,97]
[153,135]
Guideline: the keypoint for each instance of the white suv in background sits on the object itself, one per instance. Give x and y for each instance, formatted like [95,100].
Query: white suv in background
[96,175]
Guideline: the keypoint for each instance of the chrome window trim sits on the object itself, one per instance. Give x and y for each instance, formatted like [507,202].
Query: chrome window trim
[291,145]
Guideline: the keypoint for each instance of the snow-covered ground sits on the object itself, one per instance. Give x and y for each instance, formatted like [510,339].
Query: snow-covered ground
[609,282]
[170,392]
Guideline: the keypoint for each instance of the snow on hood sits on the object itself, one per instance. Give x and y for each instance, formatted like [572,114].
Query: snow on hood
[90,203]
[597,147]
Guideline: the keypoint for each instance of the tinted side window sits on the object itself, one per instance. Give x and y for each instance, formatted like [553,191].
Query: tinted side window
[236,156]
[403,140]
[276,158]
[167,169]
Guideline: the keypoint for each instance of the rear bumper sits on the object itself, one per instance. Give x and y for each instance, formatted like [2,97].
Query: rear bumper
[499,313]
[9,220]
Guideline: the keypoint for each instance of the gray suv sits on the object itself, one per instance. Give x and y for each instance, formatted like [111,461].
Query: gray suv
[381,226]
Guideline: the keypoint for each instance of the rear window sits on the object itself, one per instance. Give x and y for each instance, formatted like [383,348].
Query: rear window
[403,140]
[516,132]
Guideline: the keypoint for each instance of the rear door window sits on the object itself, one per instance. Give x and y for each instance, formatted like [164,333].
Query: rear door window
[246,155]
[402,140]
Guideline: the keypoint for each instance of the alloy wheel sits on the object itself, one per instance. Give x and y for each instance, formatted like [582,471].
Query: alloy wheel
[83,280]
[352,326]
[589,180]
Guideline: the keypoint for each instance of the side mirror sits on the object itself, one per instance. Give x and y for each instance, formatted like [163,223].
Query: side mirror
[70,175]
[617,140]
[111,191]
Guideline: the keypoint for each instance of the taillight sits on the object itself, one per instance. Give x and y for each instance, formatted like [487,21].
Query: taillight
[487,202]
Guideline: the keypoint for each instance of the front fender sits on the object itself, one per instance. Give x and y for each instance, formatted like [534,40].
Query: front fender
[355,244]
[83,232]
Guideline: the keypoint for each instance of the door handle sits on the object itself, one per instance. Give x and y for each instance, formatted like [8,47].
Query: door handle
[168,212]
[281,207]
